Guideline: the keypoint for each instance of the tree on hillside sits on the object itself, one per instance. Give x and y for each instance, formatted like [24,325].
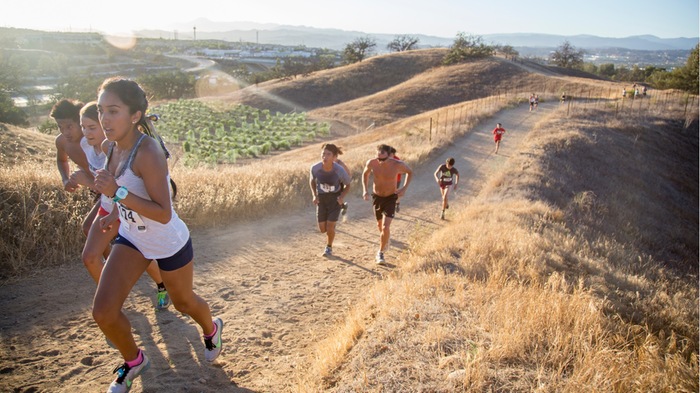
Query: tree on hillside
[690,72]
[607,70]
[683,78]
[567,56]
[169,84]
[358,50]
[402,43]
[77,87]
[467,47]
[508,51]
[10,83]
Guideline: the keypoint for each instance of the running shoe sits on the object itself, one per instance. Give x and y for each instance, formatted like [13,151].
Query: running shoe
[328,252]
[213,344]
[163,300]
[126,376]
[380,258]
[344,209]
[442,215]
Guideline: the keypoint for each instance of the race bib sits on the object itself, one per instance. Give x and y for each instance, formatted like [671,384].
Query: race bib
[129,217]
[326,188]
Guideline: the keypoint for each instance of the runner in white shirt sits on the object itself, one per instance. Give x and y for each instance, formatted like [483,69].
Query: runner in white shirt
[137,178]
[97,244]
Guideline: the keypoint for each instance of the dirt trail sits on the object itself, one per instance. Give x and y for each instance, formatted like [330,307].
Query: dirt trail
[266,279]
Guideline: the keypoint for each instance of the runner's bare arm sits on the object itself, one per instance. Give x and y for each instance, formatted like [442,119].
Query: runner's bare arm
[63,165]
[365,180]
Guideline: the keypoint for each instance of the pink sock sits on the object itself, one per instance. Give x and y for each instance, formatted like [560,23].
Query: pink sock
[213,334]
[136,361]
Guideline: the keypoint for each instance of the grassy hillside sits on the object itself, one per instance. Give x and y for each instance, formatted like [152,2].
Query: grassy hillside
[391,87]
[334,86]
[575,270]
[21,146]
[403,94]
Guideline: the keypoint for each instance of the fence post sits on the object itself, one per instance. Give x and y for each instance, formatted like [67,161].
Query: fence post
[447,117]
[437,124]
[430,134]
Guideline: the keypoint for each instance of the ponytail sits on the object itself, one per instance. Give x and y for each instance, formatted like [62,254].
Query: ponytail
[147,127]
[174,187]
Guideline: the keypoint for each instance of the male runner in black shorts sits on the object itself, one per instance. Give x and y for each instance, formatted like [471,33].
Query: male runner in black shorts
[385,193]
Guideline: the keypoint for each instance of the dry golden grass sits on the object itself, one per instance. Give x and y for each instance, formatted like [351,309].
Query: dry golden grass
[211,196]
[338,85]
[574,270]
[31,196]
[20,146]
[40,224]
[206,196]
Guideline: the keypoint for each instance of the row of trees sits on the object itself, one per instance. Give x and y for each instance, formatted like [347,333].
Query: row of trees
[464,47]
[684,78]
[361,47]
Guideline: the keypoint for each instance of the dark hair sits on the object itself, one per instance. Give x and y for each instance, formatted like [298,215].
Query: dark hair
[450,161]
[332,148]
[174,186]
[89,110]
[66,109]
[385,148]
[392,150]
[131,94]
[134,97]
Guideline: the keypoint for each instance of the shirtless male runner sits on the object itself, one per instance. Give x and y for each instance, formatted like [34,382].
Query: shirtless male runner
[385,193]
[66,113]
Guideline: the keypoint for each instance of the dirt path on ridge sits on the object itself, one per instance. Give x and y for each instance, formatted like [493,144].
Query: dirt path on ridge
[266,279]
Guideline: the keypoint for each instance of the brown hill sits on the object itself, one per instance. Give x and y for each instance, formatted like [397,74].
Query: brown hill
[337,85]
[20,145]
[395,86]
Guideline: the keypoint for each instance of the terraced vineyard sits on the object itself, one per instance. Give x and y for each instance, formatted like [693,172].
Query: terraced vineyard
[211,135]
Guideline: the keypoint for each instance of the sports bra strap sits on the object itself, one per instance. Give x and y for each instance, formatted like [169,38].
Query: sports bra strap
[129,161]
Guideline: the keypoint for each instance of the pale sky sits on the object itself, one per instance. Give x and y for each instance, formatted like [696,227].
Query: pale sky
[443,18]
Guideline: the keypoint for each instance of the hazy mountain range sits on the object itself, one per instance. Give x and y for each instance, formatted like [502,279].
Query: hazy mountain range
[337,39]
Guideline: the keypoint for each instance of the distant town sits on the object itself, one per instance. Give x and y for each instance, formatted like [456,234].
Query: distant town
[207,46]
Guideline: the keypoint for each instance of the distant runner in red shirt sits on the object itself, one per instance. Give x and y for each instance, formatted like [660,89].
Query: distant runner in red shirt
[497,135]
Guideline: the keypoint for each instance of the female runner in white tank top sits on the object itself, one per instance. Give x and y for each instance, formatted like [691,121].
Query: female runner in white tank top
[137,179]
[97,244]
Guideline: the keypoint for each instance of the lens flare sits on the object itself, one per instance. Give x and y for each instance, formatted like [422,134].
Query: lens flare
[121,41]
[216,83]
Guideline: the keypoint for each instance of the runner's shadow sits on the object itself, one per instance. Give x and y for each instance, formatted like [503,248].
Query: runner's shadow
[397,244]
[175,348]
[349,234]
[416,219]
[351,263]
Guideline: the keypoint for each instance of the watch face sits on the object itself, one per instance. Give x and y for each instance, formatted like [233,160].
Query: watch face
[122,193]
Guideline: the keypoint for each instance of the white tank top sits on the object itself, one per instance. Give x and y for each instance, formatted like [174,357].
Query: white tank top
[95,160]
[153,239]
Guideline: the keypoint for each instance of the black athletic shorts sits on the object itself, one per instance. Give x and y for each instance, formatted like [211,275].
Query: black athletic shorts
[328,208]
[384,205]
[174,262]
